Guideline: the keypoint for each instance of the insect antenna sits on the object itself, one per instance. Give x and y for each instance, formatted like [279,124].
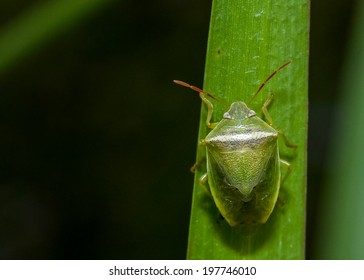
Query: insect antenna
[197,89]
[266,80]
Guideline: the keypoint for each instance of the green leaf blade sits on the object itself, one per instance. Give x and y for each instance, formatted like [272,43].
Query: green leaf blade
[248,40]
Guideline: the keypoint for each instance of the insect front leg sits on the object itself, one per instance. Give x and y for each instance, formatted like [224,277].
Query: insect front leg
[270,121]
[210,109]
[203,95]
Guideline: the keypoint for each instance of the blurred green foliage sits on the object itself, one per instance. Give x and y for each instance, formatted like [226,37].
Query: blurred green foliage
[95,149]
[341,210]
[40,23]
[96,142]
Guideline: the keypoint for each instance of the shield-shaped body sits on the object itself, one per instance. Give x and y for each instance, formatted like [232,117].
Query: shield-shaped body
[243,166]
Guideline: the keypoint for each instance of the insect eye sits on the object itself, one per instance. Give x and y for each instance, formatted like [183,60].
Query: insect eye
[251,113]
[227,116]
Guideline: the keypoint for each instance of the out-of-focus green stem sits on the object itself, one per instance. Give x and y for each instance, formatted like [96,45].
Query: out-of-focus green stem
[340,229]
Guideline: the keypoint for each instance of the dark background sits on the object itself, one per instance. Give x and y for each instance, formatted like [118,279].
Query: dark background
[96,142]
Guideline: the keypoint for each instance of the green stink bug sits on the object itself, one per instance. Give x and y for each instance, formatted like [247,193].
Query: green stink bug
[243,163]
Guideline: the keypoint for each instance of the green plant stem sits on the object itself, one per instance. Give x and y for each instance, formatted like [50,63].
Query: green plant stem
[248,40]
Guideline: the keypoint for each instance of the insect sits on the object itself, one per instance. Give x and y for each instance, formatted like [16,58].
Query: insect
[243,163]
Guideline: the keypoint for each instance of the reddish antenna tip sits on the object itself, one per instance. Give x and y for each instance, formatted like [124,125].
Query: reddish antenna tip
[181,83]
[189,86]
[196,89]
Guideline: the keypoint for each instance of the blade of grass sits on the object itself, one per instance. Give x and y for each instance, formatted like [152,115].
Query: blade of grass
[247,41]
[39,24]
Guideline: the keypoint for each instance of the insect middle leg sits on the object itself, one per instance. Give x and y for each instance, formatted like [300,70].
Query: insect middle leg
[203,180]
[198,160]
[283,162]
[286,141]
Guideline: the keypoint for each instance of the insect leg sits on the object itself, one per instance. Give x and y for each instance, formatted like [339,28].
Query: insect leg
[286,141]
[210,109]
[203,95]
[265,109]
[289,169]
[198,160]
[204,177]
[203,180]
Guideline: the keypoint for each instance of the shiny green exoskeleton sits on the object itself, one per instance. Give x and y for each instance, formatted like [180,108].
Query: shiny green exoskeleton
[243,164]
